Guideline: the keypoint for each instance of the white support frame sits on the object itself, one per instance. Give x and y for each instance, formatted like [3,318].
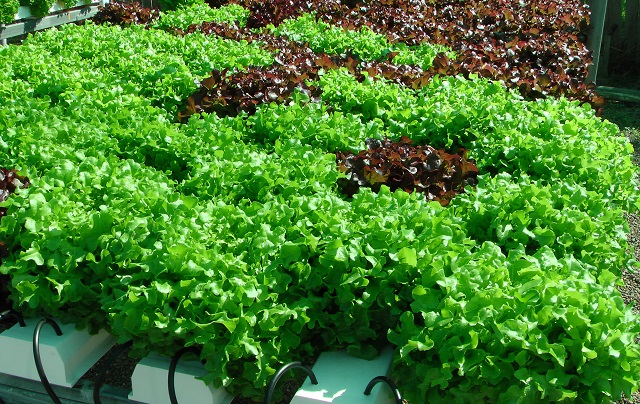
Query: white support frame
[54,19]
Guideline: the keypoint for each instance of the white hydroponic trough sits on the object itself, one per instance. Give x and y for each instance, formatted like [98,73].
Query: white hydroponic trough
[342,379]
[149,383]
[65,358]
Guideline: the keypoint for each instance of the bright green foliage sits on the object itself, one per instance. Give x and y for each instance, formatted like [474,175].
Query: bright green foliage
[39,8]
[312,124]
[8,10]
[547,140]
[421,55]
[374,100]
[532,327]
[72,3]
[323,37]
[200,12]
[230,234]
[153,64]
[177,4]
[365,44]
[566,218]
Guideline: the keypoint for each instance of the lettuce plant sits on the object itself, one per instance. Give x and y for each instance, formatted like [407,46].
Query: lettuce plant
[230,233]
[120,13]
[177,4]
[401,166]
[39,8]
[8,10]
[200,12]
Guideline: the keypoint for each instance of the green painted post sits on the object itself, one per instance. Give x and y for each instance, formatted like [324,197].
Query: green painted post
[594,43]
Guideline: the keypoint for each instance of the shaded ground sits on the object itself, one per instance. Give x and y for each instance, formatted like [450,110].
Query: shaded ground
[627,117]
[629,81]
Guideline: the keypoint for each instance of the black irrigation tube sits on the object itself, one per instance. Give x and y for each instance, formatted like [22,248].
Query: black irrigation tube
[13,314]
[172,371]
[172,366]
[274,381]
[38,360]
[389,382]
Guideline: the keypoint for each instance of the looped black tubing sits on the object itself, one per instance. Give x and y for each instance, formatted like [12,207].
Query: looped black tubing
[15,315]
[105,367]
[280,373]
[172,370]
[36,355]
[389,382]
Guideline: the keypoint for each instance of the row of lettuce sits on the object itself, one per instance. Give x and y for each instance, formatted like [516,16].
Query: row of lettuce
[230,234]
[537,47]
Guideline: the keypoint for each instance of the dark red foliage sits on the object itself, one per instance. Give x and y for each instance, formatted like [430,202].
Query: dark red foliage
[265,12]
[9,182]
[531,82]
[217,3]
[120,13]
[221,3]
[536,46]
[399,165]
[272,12]
[230,94]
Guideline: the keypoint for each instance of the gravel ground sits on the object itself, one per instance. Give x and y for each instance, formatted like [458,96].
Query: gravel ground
[627,117]
[631,289]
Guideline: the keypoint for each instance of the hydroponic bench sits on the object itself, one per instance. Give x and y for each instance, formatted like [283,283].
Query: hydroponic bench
[25,22]
[42,359]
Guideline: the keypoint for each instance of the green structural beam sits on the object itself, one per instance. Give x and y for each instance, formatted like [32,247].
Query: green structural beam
[52,20]
[619,94]
[598,12]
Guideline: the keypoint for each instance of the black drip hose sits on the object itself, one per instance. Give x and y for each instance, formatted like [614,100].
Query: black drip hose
[272,384]
[13,314]
[38,360]
[389,382]
[172,371]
